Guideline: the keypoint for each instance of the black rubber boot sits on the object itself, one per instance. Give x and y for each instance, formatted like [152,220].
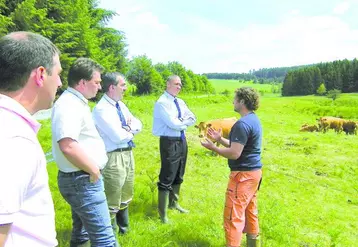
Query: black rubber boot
[122,217]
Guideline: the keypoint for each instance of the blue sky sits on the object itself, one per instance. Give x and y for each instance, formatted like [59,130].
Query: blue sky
[236,36]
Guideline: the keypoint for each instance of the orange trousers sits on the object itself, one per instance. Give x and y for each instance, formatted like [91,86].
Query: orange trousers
[240,213]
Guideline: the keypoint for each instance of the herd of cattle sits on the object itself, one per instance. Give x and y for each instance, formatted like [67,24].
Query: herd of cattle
[323,125]
[334,123]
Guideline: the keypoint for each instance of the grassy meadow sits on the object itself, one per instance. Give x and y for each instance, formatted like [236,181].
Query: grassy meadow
[308,196]
[223,86]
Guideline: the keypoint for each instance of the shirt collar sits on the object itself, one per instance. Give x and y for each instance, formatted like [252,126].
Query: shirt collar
[109,100]
[77,94]
[169,96]
[15,107]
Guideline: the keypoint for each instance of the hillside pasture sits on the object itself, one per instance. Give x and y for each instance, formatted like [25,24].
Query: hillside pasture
[308,196]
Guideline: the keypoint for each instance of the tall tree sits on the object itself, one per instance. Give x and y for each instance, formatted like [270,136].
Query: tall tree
[140,73]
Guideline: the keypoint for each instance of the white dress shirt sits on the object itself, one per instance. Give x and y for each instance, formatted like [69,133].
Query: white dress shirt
[109,125]
[72,118]
[166,121]
[25,198]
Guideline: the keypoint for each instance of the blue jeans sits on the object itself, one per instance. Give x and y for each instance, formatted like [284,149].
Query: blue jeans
[90,215]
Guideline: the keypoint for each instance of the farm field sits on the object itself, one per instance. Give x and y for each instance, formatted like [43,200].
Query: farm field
[308,196]
[230,86]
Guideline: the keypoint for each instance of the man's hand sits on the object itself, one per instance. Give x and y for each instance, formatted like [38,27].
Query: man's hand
[207,144]
[4,232]
[95,175]
[215,134]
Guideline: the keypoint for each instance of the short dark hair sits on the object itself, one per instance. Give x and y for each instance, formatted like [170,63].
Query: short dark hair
[82,68]
[250,97]
[20,54]
[110,78]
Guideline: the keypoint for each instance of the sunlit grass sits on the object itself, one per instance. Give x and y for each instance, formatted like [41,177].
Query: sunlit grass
[309,192]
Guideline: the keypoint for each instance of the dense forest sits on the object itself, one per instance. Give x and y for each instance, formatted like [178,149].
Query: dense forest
[340,75]
[79,29]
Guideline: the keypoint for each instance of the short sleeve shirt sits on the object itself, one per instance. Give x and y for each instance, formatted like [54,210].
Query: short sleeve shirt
[248,132]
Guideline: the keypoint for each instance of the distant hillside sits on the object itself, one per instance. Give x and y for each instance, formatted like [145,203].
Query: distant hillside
[261,75]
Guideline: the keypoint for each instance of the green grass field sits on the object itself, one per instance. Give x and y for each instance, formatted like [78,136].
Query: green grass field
[230,86]
[309,192]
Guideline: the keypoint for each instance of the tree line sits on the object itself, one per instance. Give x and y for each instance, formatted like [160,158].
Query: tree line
[340,75]
[264,75]
[79,29]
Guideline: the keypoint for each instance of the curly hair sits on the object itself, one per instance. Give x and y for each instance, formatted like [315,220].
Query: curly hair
[249,96]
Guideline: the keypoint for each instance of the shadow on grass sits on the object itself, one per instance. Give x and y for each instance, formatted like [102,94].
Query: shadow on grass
[149,210]
[191,241]
[194,243]
[63,237]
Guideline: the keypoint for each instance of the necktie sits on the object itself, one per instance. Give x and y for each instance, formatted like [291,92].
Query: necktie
[182,135]
[123,121]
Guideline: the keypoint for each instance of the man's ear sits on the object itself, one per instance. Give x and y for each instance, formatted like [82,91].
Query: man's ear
[39,76]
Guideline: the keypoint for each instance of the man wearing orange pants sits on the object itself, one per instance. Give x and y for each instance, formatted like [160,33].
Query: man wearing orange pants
[243,151]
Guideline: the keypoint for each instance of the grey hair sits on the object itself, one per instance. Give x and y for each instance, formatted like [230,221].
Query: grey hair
[172,77]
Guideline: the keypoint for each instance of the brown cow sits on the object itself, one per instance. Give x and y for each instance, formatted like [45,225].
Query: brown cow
[309,128]
[224,124]
[335,123]
[350,127]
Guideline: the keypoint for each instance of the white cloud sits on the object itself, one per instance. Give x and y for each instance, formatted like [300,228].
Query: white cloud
[341,8]
[296,40]
[149,20]
[295,12]
[208,46]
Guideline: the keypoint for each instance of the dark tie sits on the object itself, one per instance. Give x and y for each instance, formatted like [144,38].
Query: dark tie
[182,135]
[123,121]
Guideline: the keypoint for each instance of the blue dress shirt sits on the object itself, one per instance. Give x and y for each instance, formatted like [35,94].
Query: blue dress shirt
[166,121]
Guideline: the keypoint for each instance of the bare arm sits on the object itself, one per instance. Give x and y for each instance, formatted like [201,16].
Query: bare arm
[4,231]
[75,154]
[225,142]
[217,136]
[233,152]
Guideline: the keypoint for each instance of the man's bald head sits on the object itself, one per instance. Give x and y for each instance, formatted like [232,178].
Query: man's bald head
[20,53]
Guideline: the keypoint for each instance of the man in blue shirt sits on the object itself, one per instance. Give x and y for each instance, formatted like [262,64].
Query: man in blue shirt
[243,151]
[171,119]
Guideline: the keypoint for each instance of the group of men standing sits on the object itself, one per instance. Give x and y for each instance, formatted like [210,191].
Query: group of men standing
[94,155]
[93,150]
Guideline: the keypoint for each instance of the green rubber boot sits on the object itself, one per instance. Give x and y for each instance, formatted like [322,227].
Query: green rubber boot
[173,199]
[163,201]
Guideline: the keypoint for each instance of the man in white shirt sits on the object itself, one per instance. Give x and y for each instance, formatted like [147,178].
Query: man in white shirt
[29,78]
[117,127]
[80,156]
[171,119]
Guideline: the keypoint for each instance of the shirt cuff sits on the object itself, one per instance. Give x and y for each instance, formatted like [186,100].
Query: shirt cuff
[6,218]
